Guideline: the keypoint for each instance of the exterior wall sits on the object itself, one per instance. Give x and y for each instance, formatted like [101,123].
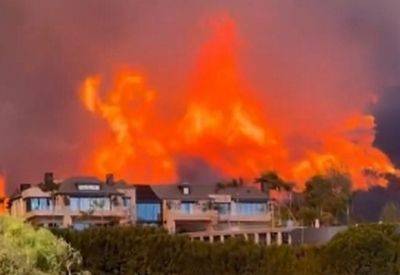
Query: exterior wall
[273,236]
[130,215]
[18,207]
[204,215]
[263,236]
[315,236]
[199,215]
[62,215]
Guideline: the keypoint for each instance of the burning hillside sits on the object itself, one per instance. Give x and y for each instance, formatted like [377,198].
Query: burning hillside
[3,199]
[221,120]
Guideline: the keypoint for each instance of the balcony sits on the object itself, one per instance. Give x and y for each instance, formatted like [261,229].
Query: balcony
[195,213]
[114,212]
[62,211]
[256,217]
[42,213]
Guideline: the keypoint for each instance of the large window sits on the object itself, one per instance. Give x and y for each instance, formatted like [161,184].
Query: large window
[223,208]
[148,212]
[250,208]
[33,204]
[89,204]
[187,207]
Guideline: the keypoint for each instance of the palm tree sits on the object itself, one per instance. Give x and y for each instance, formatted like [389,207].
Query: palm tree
[272,181]
[52,187]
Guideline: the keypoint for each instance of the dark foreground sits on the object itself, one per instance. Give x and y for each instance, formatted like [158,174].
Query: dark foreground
[366,249]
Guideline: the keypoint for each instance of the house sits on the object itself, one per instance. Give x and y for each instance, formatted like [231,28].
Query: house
[80,202]
[210,207]
[76,202]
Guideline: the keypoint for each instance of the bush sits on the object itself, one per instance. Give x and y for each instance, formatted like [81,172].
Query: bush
[365,249]
[369,249]
[136,250]
[26,250]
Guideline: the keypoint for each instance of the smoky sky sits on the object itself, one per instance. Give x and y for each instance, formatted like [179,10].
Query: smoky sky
[48,47]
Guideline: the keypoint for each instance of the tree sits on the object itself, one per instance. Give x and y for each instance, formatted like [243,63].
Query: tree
[235,182]
[365,249]
[390,213]
[272,181]
[329,195]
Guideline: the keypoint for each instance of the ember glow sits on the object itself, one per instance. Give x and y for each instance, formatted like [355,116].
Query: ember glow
[223,122]
[2,193]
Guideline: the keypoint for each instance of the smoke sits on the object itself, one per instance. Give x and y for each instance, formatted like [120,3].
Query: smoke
[317,62]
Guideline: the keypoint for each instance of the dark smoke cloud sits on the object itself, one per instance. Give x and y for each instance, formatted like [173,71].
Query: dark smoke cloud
[193,169]
[367,205]
[48,47]
[387,115]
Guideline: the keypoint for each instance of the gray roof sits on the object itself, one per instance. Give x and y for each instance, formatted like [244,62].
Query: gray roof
[202,191]
[70,187]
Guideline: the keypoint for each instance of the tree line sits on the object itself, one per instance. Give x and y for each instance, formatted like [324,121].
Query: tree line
[327,197]
[364,249]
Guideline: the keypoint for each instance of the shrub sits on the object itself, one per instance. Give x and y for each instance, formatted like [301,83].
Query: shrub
[26,250]
[365,249]
[369,249]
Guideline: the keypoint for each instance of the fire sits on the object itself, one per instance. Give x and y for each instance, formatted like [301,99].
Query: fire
[224,122]
[3,198]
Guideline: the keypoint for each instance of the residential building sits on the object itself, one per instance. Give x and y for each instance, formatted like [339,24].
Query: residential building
[211,207]
[75,202]
[80,202]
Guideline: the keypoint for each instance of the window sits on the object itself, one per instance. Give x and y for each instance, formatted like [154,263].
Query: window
[34,204]
[88,187]
[187,207]
[148,212]
[251,208]
[74,204]
[223,208]
[88,204]
[186,190]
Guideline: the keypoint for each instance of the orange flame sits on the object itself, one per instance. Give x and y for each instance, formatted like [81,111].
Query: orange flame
[3,199]
[223,123]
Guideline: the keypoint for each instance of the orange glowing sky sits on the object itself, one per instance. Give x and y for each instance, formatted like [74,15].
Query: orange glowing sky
[221,120]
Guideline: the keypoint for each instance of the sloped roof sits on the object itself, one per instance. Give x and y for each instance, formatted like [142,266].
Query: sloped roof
[144,193]
[70,187]
[202,192]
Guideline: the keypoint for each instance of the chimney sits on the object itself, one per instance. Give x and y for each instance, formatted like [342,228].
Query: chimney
[48,178]
[24,186]
[184,188]
[110,179]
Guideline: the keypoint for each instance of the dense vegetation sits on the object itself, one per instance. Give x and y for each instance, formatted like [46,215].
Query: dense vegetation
[366,249]
[326,197]
[26,250]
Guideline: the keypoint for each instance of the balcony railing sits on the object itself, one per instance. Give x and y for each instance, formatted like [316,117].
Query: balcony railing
[61,211]
[196,212]
[256,217]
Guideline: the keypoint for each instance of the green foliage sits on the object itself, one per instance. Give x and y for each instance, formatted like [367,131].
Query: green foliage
[365,249]
[326,197]
[136,250]
[308,214]
[26,250]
